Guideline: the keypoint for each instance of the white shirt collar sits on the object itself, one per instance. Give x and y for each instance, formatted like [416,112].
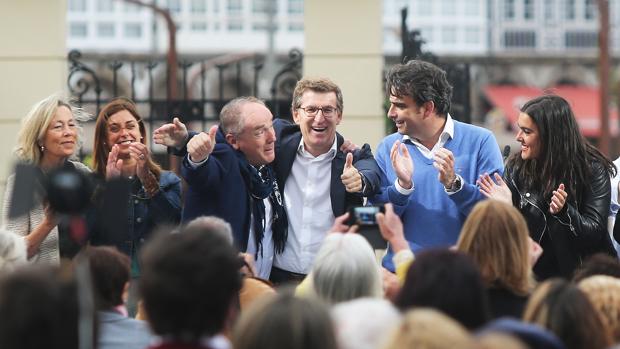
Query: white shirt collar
[331,153]
[446,134]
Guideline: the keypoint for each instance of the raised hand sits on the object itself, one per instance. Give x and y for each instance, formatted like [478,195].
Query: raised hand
[114,165]
[402,164]
[171,135]
[391,228]
[348,146]
[351,177]
[444,163]
[558,199]
[200,146]
[497,190]
[340,225]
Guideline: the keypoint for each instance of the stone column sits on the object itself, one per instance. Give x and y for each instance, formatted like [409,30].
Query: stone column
[343,41]
[32,65]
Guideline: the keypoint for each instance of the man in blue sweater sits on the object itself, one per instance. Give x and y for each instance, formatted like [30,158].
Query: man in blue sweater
[430,166]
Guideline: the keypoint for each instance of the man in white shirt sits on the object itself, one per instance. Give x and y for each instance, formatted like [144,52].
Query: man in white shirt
[319,181]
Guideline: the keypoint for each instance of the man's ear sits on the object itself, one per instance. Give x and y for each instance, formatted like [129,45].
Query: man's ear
[428,109]
[296,116]
[232,140]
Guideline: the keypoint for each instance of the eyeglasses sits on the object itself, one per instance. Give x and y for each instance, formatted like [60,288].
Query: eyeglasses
[259,132]
[312,111]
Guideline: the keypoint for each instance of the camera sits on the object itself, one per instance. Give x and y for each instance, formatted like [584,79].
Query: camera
[364,217]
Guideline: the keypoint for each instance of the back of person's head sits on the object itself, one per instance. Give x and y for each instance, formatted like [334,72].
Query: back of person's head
[12,251]
[531,335]
[214,225]
[345,268]
[495,236]
[423,82]
[189,282]
[109,270]
[562,308]
[364,323]
[448,281]
[598,264]
[285,322]
[430,329]
[38,309]
[604,293]
[499,341]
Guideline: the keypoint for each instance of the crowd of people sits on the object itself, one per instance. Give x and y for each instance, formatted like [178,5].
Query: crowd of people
[261,250]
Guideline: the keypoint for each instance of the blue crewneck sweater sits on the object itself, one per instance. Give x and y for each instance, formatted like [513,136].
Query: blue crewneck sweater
[431,217]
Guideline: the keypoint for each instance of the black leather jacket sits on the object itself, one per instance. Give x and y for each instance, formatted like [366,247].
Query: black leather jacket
[576,232]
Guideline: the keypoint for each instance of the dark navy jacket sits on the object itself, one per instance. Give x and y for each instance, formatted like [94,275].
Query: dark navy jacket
[217,188]
[288,139]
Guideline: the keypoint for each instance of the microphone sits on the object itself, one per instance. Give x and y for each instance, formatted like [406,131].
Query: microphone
[506,152]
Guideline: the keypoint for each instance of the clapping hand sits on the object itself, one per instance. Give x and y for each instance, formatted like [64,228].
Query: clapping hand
[497,190]
[402,164]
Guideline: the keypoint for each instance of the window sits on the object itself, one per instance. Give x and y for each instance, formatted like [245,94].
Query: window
[425,8]
[472,35]
[198,6]
[580,39]
[132,8]
[106,30]
[261,6]
[569,9]
[528,9]
[549,10]
[235,25]
[591,10]
[105,6]
[296,6]
[174,6]
[234,7]
[199,27]
[519,39]
[295,27]
[77,5]
[133,30]
[448,7]
[448,35]
[216,6]
[509,9]
[78,30]
[427,34]
[472,7]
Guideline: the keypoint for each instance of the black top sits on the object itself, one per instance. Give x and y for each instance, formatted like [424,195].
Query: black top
[505,303]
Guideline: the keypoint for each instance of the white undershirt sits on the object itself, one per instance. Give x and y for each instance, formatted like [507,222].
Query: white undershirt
[262,263]
[309,208]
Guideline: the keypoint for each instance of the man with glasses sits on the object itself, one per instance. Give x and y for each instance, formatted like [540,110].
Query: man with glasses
[318,179]
[227,177]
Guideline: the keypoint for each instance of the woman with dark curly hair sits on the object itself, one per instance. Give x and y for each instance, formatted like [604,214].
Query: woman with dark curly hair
[561,185]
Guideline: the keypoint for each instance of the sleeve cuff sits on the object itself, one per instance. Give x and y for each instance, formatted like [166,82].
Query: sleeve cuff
[402,190]
[194,164]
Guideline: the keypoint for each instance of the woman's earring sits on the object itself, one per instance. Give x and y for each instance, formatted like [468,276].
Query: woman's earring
[42,148]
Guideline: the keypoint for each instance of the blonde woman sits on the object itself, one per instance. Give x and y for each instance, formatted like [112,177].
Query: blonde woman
[495,236]
[49,138]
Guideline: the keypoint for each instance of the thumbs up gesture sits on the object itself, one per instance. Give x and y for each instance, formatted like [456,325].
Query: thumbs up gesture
[201,145]
[351,177]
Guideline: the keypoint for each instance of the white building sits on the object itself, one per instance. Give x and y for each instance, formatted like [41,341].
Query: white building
[474,28]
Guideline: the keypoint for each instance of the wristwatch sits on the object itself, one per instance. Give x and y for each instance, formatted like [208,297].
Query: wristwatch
[456,184]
